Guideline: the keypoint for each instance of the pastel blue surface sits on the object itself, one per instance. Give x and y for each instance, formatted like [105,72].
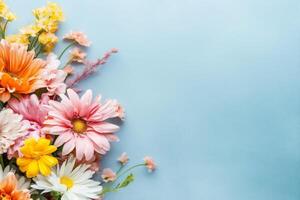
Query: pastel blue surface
[211,90]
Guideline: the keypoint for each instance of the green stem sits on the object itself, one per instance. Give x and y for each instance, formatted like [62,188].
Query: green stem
[108,187]
[11,162]
[120,169]
[40,49]
[66,48]
[67,63]
[4,29]
[1,161]
[119,174]
[129,169]
[34,41]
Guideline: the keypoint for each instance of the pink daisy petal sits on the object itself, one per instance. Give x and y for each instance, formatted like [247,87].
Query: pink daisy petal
[89,150]
[74,99]
[99,149]
[59,118]
[112,137]
[105,127]
[99,140]
[86,100]
[68,147]
[58,106]
[58,129]
[63,138]
[80,146]
[68,106]
[87,97]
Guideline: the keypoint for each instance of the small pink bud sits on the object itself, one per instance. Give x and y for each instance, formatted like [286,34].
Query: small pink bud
[108,175]
[69,69]
[123,159]
[150,164]
[114,50]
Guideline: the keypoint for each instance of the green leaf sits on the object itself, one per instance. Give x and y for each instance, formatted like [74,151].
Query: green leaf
[56,195]
[129,179]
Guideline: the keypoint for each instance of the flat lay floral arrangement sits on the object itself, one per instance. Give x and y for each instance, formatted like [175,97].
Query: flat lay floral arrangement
[53,135]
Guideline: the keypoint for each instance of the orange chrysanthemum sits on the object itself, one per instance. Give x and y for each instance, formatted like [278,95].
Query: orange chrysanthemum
[9,189]
[20,72]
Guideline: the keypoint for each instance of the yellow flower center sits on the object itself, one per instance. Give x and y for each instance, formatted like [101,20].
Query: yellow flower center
[79,125]
[67,181]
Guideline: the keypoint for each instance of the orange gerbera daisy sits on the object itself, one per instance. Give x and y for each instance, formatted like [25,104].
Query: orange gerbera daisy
[9,189]
[20,72]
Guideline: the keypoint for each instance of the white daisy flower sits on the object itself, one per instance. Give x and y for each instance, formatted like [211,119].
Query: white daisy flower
[11,128]
[73,184]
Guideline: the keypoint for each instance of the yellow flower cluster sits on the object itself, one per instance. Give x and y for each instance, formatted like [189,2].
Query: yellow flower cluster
[48,18]
[5,13]
[37,157]
[46,24]
[48,40]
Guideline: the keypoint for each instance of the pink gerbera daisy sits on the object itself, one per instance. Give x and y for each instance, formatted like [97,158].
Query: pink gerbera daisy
[81,125]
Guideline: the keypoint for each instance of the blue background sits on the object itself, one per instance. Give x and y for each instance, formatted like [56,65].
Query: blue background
[211,90]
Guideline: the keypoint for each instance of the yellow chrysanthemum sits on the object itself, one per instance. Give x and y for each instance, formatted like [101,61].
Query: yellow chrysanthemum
[37,157]
[18,38]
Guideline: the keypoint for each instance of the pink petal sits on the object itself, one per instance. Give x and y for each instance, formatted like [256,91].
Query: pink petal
[68,106]
[63,138]
[99,140]
[58,129]
[108,109]
[89,149]
[68,147]
[87,97]
[105,127]
[80,146]
[74,98]
[99,149]
[60,118]
[112,137]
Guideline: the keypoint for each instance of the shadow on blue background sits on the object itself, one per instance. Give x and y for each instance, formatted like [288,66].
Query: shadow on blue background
[211,90]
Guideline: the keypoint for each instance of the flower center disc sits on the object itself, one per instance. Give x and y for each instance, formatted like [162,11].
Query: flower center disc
[68,182]
[79,125]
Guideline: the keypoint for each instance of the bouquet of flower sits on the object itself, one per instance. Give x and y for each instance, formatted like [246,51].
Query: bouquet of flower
[52,138]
